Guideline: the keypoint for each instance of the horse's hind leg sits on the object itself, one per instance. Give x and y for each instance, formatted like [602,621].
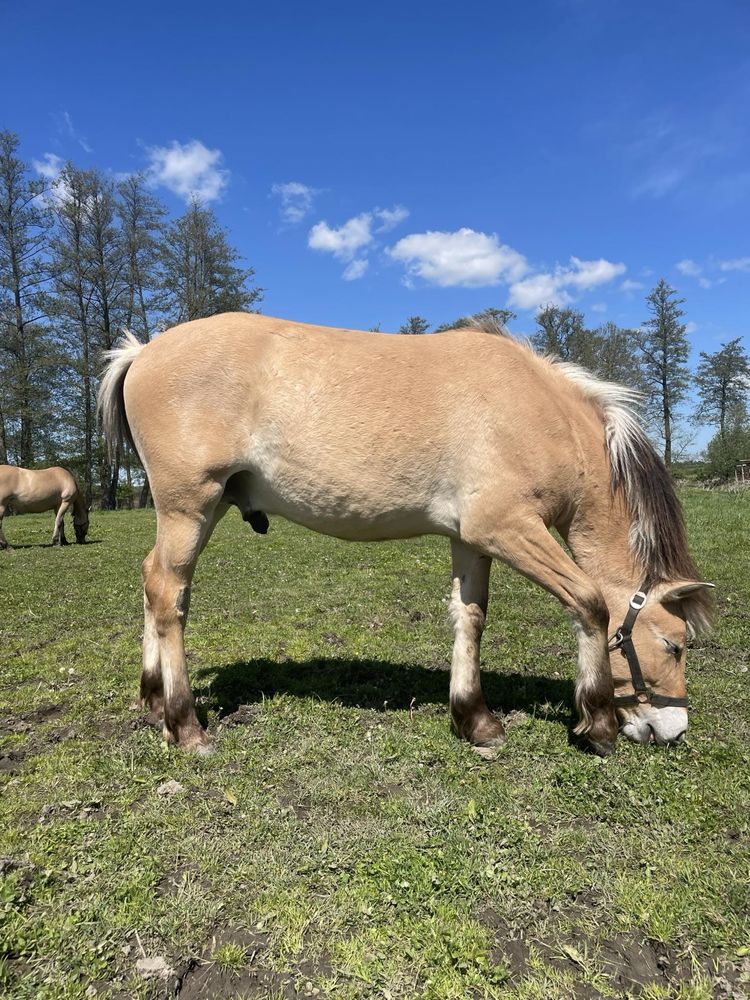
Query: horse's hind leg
[527,545]
[58,536]
[470,716]
[167,579]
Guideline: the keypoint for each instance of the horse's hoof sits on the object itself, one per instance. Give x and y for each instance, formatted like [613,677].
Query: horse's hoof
[196,742]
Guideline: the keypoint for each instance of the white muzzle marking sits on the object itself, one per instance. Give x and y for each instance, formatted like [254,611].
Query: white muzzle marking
[662,725]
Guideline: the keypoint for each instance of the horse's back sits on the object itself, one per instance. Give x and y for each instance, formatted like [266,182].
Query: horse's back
[32,491]
[372,433]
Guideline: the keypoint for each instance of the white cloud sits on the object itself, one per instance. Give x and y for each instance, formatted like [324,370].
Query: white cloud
[296,200]
[690,327]
[49,166]
[599,307]
[464,257]
[631,286]
[345,241]
[390,217]
[560,286]
[738,264]
[189,170]
[689,267]
[355,269]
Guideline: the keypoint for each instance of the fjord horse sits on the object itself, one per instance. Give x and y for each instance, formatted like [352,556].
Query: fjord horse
[365,436]
[32,491]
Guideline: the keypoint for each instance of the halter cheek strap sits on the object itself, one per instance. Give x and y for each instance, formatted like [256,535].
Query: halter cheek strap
[623,640]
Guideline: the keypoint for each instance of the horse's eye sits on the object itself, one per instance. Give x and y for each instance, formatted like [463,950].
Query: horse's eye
[673,648]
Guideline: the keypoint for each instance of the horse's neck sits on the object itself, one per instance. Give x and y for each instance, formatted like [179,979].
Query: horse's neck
[599,538]
[79,509]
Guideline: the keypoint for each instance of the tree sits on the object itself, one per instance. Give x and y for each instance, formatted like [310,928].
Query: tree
[414,325]
[562,334]
[74,280]
[499,316]
[142,221]
[725,450]
[723,380]
[24,331]
[617,356]
[200,275]
[664,352]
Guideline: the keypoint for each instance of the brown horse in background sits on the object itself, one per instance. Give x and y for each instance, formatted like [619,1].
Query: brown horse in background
[370,436]
[31,491]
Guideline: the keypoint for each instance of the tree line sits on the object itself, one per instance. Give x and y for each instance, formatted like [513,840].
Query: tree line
[653,360]
[86,255]
[81,259]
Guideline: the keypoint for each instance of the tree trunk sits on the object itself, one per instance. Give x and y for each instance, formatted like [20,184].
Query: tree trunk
[144,497]
[3,441]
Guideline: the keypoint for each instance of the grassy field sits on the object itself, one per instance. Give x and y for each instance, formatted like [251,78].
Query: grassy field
[341,843]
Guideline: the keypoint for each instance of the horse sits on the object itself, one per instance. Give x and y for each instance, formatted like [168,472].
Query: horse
[31,491]
[365,436]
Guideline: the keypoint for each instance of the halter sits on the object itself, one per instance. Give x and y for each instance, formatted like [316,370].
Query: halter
[623,640]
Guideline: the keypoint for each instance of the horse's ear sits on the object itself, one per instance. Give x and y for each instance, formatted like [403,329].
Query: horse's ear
[677,590]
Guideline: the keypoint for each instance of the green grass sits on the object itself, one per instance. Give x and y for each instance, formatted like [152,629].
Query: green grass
[342,840]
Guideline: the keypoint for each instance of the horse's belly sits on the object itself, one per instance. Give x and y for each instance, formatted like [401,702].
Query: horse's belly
[355,511]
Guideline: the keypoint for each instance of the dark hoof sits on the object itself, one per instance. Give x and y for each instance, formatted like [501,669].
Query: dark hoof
[485,732]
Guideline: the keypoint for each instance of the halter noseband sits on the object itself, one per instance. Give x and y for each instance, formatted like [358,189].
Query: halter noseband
[623,640]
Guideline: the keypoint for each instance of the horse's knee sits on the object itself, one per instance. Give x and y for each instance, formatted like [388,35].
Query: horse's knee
[591,609]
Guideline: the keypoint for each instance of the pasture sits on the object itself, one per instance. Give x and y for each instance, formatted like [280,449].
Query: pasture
[342,843]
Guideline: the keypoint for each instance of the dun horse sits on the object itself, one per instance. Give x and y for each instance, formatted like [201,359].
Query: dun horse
[31,491]
[370,436]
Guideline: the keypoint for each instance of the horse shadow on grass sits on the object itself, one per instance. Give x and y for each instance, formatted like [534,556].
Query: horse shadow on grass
[379,685]
[47,545]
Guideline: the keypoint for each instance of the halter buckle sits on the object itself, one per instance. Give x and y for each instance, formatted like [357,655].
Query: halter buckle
[638,600]
[643,697]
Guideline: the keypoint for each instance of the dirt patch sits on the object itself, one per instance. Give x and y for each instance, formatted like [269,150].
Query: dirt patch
[233,967]
[294,804]
[25,722]
[10,763]
[630,961]
[245,715]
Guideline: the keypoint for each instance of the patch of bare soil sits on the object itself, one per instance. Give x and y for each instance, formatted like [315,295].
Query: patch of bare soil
[630,962]
[208,979]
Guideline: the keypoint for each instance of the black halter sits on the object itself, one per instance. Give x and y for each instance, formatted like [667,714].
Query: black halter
[623,640]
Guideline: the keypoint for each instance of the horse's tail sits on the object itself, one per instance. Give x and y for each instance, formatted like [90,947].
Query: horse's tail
[110,406]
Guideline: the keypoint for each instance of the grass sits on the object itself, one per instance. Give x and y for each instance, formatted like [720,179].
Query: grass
[341,843]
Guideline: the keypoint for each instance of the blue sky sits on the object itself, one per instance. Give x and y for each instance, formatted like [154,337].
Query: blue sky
[378,161]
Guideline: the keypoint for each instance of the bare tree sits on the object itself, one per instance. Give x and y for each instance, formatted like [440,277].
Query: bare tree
[664,351]
[142,220]
[24,332]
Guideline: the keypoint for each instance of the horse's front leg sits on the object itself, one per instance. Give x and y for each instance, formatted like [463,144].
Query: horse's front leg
[527,545]
[58,536]
[3,540]
[471,719]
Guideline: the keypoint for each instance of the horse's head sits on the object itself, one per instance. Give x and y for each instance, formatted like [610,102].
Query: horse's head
[647,656]
[81,526]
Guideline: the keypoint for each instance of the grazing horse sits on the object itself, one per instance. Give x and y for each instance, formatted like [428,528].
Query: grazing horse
[366,436]
[31,491]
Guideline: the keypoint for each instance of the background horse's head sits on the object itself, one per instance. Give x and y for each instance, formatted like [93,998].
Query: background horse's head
[647,656]
[81,524]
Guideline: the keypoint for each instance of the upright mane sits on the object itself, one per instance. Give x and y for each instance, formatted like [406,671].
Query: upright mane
[658,539]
